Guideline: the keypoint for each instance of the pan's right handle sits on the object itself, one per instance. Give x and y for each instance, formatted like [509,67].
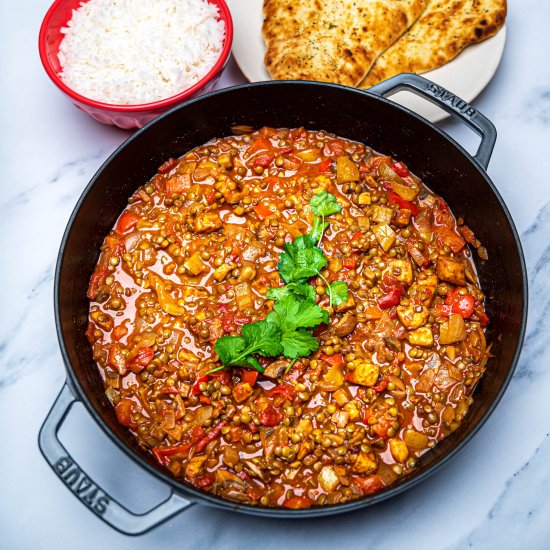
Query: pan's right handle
[448,102]
[87,490]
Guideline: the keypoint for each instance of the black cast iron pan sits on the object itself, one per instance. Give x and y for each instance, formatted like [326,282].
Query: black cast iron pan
[363,116]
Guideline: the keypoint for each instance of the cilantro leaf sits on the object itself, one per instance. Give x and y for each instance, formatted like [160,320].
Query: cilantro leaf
[309,263]
[290,314]
[310,315]
[229,347]
[299,343]
[263,338]
[298,290]
[324,204]
[301,260]
[318,229]
[339,292]
[251,362]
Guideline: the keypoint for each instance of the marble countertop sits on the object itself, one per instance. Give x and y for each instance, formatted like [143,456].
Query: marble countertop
[494,494]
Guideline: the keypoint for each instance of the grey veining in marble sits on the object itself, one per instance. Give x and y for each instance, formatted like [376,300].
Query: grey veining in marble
[493,495]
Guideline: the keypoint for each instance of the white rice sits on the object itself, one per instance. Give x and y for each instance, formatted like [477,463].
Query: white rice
[128,52]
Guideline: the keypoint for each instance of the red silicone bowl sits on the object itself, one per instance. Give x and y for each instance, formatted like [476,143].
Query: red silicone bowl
[123,116]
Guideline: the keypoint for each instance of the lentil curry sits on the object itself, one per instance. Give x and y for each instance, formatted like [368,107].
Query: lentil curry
[313,392]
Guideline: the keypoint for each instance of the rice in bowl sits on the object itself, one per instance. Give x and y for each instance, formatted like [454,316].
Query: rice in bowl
[125,52]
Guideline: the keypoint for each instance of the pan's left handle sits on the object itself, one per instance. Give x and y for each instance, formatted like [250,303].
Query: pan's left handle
[88,491]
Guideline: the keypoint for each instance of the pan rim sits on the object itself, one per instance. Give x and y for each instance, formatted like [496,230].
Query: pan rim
[199,496]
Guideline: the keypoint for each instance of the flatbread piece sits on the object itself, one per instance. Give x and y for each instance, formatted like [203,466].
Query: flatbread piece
[444,29]
[332,40]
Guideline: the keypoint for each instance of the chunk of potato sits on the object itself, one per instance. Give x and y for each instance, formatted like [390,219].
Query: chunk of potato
[346,170]
[353,409]
[194,264]
[415,440]
[451,270]
[365,374]
[207,222]
[328,479]
[334,376]
[411,318]
[422,291]
[242,391]
[382,214]
[403,217]
[221,271]
[364,198]
[385,236]
[422,336]
[304,427]
[244,296]
[194,466]
[401,270]
[399,450]
[365,464]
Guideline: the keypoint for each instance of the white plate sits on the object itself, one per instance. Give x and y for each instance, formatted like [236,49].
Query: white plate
[465,76]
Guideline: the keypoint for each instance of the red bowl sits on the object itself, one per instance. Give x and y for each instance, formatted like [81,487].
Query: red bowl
[123,116]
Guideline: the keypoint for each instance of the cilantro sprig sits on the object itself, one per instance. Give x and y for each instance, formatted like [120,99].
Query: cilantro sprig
[287,330]
[284,332]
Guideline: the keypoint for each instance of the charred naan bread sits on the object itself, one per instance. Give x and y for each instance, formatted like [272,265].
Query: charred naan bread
[444,29]
[332,40]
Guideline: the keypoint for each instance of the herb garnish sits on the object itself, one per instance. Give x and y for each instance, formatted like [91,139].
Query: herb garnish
[287,330]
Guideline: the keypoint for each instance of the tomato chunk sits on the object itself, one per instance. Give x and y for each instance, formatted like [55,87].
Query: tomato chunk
[297,503]
[270,416]
[127,221]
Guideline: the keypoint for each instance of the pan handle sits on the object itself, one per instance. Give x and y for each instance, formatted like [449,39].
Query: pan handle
[448,102]
[87,490]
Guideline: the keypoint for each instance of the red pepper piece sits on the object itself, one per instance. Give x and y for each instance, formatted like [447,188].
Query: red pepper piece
[197,433]
[230,321]
[196,390]
[283,390]
[211,197]
[270,416]
[141,360]
[394,198]
[249,376]
[259,144]
[369,485]
[124,409]
[350,262]
[325,165]
[204,399]
[204,481]
[263,160]
[464,304]
[295,503]
[117,359]
[96,281]
[210,436]
[381,385]
[90,333]
[400,169]
[391,299]
[127,221]
[336,360]
[162,454]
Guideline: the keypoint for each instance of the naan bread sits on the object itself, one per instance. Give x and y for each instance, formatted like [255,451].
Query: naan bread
[444,29]
[332,40]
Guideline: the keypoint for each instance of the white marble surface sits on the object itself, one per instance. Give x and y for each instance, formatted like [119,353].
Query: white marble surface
[493,495]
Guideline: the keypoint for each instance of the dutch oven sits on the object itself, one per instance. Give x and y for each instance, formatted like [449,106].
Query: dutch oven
[365,116]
